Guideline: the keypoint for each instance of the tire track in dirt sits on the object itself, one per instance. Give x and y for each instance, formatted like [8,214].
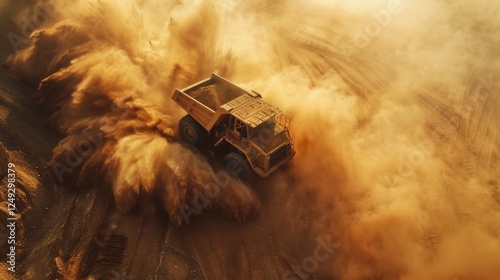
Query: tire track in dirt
[85,219]
[321,47]
[145,235]
[469,125]
[480,109]
[230,250]
[466,139]
[176,259]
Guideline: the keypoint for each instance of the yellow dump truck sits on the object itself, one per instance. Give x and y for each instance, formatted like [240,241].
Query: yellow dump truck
[219,112]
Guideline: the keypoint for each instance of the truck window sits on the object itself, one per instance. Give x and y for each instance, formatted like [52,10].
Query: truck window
[243,131]
[241,128]
[231,122]
[265,129]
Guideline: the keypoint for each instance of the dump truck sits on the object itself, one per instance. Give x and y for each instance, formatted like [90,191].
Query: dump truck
[219,112]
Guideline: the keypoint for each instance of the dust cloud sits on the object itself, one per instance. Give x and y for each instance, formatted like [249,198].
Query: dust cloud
[394,112]
[393,106]
[105,72]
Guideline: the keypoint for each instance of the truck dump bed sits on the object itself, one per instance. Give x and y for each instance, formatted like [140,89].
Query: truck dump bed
[214,92]
[204,101]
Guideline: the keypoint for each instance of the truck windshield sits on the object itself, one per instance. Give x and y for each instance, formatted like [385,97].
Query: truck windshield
[268,135]
[265,127]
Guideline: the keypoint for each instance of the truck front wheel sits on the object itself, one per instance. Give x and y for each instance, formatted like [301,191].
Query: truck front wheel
[238,166]
[192,132]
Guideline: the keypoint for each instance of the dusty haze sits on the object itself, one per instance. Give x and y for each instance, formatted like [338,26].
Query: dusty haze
[395,120]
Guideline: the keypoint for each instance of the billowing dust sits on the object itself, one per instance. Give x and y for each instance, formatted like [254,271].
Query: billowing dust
[393,107]
[103,69]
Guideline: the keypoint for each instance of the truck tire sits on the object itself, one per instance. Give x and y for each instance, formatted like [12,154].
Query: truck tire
[238,166]
[4,161]
[192,132]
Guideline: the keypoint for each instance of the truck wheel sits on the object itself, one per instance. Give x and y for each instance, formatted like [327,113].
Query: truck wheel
[4,161]
[192,132]
[238,166]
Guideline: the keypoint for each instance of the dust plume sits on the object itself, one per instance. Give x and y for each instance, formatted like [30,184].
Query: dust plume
[105,72]
[394,109]
[393,106]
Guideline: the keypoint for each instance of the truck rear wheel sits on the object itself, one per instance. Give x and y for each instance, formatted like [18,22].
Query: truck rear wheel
[192,132]
[238,166]
[4,161]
